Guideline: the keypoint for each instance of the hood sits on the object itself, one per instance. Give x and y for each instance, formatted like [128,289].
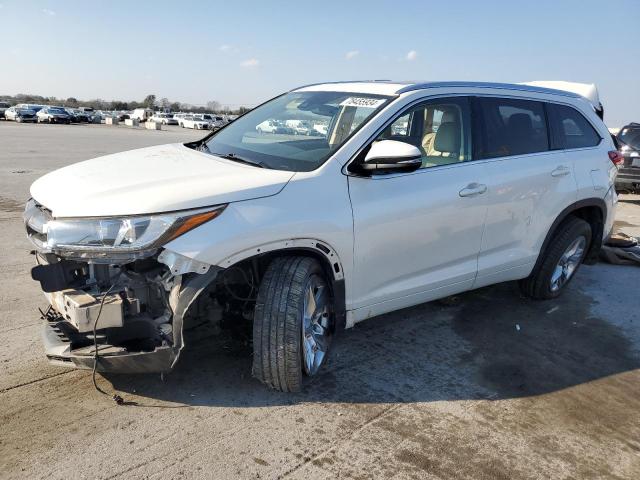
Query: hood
[151,180]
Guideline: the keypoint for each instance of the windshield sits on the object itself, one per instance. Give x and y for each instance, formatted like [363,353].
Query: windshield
[630,136]
[267,134]
[56,110]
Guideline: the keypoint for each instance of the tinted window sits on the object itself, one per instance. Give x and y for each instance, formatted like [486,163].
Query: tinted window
[570,129]
[512,127]
[630,136]
[438,128]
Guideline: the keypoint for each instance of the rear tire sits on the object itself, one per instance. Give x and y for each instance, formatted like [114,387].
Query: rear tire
[560,260]
[293,322]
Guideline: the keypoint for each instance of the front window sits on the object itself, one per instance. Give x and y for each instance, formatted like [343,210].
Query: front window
[265,136]
[440,129]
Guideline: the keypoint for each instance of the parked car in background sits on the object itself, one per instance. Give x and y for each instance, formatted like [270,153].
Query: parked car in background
[219,121]
[520,189]
[164,118]
[122,116]
[301,127]
[589,91]
[215,121]
[190,121]
[20,114]
[3,108]
[31,106]
[628,178]
[104,114]
[53,115]
[97,116]
[78,116]
[274,126]
[141,114]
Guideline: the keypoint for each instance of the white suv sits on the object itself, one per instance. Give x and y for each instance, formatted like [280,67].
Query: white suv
[414,192]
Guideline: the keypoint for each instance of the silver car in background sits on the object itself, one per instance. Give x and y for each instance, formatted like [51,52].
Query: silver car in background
[20,114]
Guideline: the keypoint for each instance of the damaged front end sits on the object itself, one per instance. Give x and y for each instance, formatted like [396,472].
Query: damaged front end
[111,287]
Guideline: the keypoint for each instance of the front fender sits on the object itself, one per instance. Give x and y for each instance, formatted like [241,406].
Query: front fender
[319,246]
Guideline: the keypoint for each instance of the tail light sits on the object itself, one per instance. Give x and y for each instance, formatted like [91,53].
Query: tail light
[616,158]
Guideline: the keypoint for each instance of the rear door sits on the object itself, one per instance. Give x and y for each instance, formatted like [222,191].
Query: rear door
[417,235]
[529,185]
[582,145]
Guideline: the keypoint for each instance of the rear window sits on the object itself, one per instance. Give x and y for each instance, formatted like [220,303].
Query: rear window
[630,136]
[570,129]
[512,127]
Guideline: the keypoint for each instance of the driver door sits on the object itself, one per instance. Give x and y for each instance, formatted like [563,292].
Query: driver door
[417,235]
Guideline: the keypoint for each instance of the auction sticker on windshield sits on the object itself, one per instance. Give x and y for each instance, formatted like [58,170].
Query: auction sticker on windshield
[362,102]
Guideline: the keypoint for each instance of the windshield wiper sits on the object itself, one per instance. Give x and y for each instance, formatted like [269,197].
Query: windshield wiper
[235,158]
[203,147]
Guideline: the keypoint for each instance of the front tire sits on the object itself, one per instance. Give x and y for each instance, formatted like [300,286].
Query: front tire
[293,323]
[561,259]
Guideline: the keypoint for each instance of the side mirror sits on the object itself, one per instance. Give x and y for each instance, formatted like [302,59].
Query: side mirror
[390,156]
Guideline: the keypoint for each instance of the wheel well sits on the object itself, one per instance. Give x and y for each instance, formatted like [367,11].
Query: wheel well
[330,270]
[258,264]
[594,217]
[593,214]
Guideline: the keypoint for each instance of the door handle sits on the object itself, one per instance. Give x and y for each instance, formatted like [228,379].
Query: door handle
[473,189]
[561,171]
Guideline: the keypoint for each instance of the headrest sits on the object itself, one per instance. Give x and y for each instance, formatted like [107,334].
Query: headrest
[449,116]
[520,123]
[448,138]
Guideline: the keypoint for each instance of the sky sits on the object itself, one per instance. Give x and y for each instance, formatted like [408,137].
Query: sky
[243,52]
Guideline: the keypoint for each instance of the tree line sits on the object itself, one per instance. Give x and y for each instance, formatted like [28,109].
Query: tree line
[150,101]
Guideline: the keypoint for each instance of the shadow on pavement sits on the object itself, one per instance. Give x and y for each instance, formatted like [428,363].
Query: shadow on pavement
[489,343]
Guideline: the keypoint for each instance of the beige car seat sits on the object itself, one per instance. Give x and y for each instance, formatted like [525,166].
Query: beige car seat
[428,139]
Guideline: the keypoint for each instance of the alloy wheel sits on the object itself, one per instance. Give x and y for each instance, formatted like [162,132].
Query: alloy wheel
[568,263]
[316,324]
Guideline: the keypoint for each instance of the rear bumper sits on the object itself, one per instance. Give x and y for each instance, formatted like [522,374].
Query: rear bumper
[611,200]
[628,177]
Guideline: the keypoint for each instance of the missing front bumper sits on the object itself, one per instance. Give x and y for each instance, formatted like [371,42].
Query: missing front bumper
[142,340]
[58,350]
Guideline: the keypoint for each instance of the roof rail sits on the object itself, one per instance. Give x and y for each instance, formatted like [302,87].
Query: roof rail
[503,86]
[341,81]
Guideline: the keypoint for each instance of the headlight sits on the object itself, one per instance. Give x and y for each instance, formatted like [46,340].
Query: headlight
[122,238]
